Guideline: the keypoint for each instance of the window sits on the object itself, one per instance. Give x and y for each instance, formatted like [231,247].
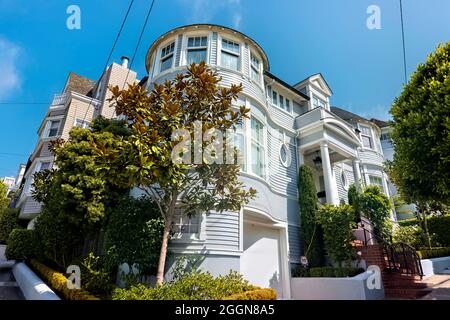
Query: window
[239,143]
[255,67]
[376,181]
[257,148]
[182,224]
[45,165]
[318,103]
[344,179]
[196,52]
[82,124]
[167,57]
[53,128]
[385,136]
[285,155]
[281,102]
[366,137]
[230,54]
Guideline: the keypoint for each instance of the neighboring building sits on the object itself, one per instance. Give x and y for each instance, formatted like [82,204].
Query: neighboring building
[405,211]
[10,183]
[79,103]
[289,126]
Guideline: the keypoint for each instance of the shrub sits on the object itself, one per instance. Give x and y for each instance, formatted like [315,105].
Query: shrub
[439,227]
[195,286]
[375,205]
[311,232]
[95,278]
[9,220]
[433,253]
[412,235]
[337,223]
[300,272]
[258,294]
[20,245]
[327,272]
[134,235]
[58,282]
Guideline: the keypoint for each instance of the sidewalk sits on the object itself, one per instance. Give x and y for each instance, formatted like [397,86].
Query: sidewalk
[440,286]
[9,290]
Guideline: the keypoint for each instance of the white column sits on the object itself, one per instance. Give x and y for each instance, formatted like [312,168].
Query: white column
[330,185]
[357,173]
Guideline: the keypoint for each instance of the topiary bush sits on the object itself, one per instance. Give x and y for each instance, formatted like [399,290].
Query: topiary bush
[337,223]
[134,235]
[20,245]
[311,232]
[9,220]
[195,286]
[375,205]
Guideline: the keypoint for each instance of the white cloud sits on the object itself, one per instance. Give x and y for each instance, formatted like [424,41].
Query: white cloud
[10,78]
[379,112]
[202,11]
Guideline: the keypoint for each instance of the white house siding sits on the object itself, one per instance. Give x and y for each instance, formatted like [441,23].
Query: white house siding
[222,231]
[178,52]
[343,191]
[213,49]
[30,208]
[295,248]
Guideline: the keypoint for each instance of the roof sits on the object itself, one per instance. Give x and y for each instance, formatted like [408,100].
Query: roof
[380,123]
[288,86]
[313,75]
[347,115]
[80,84]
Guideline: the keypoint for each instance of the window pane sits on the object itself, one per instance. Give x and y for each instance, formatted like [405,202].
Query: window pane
[257,160]
[45,166]
[54,127]
[239,144]
[257,130]
[365,130]
[190,42]
[196,56]
[367,142]
[166,63]
[255,74]
[281,101]
[204,41]
[274,98]
[230,61]
[288,105]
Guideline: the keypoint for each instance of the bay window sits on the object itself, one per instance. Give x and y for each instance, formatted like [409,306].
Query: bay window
[230,54]
[376,181]
[257,147]
[53,128]
[254,68]
[196,50]
[167,57]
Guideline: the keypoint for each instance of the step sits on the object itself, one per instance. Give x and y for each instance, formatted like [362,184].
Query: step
[406,293]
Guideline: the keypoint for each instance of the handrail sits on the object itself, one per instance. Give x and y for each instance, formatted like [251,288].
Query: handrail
[397,254]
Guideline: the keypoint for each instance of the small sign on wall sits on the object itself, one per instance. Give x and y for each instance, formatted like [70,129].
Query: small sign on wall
[304,261]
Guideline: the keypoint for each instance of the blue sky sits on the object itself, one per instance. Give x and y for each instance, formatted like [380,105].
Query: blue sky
[301,37]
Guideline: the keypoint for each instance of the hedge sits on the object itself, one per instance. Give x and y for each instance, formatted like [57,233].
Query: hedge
[258,294]
[438,226]
[433,253]
[326,272]
[20,245]
[58,282]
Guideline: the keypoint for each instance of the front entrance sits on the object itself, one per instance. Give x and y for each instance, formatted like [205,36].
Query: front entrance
[261,260]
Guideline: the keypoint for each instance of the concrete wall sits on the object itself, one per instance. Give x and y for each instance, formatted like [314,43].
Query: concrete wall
[33,288]
[434,266]
[354,288]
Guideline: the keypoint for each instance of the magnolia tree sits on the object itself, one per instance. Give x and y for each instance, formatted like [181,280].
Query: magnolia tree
[176,152]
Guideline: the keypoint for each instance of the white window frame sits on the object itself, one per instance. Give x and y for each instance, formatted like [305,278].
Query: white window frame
[253,68]
[161,57]
[320,102]
[221,49]
[288,161]
[189,237]
[370,136]
[262,145]
[46,132]
[185,47]
[37,167]
[381,185]
[278,104]
[84,124]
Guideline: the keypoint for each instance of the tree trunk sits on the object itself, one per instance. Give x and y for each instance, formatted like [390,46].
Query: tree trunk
[425,226]
[163,254]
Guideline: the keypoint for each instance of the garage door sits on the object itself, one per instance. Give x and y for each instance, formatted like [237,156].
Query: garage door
[260,261]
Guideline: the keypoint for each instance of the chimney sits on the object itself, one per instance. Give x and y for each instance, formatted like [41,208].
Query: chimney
[125,61]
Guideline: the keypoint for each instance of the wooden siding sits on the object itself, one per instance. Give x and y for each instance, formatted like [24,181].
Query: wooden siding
[178,53]
[295,249]
[213,53]
[222,231]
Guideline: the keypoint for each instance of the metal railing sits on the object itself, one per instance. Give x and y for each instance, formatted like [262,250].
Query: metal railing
[59,99]
[400,257]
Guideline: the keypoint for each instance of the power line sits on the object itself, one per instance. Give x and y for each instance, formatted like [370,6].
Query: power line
[403,38]
[112,50]
[21,103]
[12,154]
[140,39]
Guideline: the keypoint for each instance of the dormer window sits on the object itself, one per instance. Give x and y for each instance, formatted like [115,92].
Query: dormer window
[318,103]
[197,48]
[255,69]
[167,57]
[230,55]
